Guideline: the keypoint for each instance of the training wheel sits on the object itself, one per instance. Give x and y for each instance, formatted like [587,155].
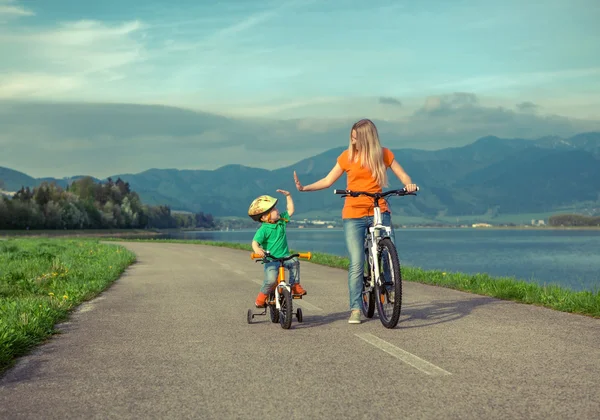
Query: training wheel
[299,314]
[250,316]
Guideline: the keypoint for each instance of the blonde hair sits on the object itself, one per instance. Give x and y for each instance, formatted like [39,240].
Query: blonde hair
[368,150]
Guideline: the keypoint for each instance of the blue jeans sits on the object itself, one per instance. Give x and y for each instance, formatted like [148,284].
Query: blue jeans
[272,271]
[354,232]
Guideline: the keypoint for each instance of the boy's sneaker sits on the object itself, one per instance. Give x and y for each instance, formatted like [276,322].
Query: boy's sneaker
[297,289]
[354,317]
[260,300]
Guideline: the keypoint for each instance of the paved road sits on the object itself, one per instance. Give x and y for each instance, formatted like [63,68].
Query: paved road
[170,340]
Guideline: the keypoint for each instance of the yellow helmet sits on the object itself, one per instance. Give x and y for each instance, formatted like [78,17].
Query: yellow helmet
[260,206]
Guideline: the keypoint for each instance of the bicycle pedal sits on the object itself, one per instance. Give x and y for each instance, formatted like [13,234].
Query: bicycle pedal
[297,296]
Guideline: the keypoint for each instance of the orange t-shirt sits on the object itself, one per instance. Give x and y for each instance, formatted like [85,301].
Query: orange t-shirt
[360,179]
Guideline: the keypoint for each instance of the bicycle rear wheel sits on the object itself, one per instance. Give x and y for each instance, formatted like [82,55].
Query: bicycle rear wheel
[389,293]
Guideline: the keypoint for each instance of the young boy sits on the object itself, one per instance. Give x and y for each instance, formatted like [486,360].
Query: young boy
[271,236]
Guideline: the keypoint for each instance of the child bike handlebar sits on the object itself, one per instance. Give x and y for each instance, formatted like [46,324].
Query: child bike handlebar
[305,255]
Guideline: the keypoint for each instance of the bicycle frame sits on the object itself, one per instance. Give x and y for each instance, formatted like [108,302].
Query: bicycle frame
[374,236]
[281,277]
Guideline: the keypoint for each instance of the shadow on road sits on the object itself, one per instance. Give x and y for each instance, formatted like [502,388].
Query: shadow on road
[417,315]
[311,321]
[27,368]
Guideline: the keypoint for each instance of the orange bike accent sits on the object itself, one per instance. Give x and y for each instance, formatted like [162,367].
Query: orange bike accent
[281,276]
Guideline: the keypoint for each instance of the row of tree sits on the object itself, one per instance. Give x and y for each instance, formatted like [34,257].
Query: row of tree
[573,220]
[85,204]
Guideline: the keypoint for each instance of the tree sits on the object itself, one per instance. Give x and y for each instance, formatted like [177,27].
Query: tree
[87,204]
[5,213]
[573,220]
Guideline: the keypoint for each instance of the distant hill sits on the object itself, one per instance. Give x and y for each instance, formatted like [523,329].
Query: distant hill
[491,175]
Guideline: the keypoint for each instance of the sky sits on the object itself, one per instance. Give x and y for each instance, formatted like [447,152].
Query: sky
[124,86]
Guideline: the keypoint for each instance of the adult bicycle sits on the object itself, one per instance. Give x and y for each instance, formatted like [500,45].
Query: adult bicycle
[382,277]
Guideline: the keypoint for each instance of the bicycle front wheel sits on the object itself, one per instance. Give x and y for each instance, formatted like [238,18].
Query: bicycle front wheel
[388,292]
[368,295]
[285,312]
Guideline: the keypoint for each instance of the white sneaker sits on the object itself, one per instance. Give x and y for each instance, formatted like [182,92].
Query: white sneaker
[354,317]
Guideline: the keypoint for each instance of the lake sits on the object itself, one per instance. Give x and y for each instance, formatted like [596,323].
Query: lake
[570,258]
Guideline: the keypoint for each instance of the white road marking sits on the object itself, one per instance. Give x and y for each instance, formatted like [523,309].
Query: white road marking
[408,358]
[305,305]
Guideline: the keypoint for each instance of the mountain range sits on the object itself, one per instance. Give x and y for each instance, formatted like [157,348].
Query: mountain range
[489,176]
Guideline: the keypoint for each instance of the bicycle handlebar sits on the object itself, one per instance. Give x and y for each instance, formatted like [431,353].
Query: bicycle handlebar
[305,255]
[400,192]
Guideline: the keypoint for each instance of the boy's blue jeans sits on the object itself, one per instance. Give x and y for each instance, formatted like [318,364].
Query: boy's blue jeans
[272,271]
[354,232]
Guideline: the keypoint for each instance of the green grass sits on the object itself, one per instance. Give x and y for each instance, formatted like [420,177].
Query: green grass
[78,232]
[506,288]
[41,280]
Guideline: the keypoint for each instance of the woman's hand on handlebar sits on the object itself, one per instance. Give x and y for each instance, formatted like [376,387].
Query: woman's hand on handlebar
[410,188]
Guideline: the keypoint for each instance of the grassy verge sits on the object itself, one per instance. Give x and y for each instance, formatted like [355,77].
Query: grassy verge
[79,232]
[41,280]
[506,288]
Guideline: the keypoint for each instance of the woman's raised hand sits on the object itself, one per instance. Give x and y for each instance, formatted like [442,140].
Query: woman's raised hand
[299,186]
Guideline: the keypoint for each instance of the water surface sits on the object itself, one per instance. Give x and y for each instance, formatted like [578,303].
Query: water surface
[570,258]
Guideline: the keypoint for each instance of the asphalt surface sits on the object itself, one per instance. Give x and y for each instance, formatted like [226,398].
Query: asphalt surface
[170,339]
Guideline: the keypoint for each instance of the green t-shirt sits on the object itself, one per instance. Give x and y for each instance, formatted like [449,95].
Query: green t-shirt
[272,237]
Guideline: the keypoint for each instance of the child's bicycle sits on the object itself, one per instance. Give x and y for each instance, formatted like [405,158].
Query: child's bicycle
[279,301]
[377,244]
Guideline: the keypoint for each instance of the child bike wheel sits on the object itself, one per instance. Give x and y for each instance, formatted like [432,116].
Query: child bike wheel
[274,314]
[285,311]
[299,314]
[273,311]
[249,316]
[389,293]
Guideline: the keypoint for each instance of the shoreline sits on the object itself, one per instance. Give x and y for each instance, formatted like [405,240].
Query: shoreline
[159,232]
[54,233]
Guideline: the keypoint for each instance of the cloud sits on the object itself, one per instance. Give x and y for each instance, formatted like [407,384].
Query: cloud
[386,100]
[9,9]
[65,59]
[64,139]
[222,37]
[140,61]
[447,104]
[459,118]
[528,107]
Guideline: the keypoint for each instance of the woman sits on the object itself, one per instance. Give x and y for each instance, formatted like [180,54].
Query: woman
[365,162]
